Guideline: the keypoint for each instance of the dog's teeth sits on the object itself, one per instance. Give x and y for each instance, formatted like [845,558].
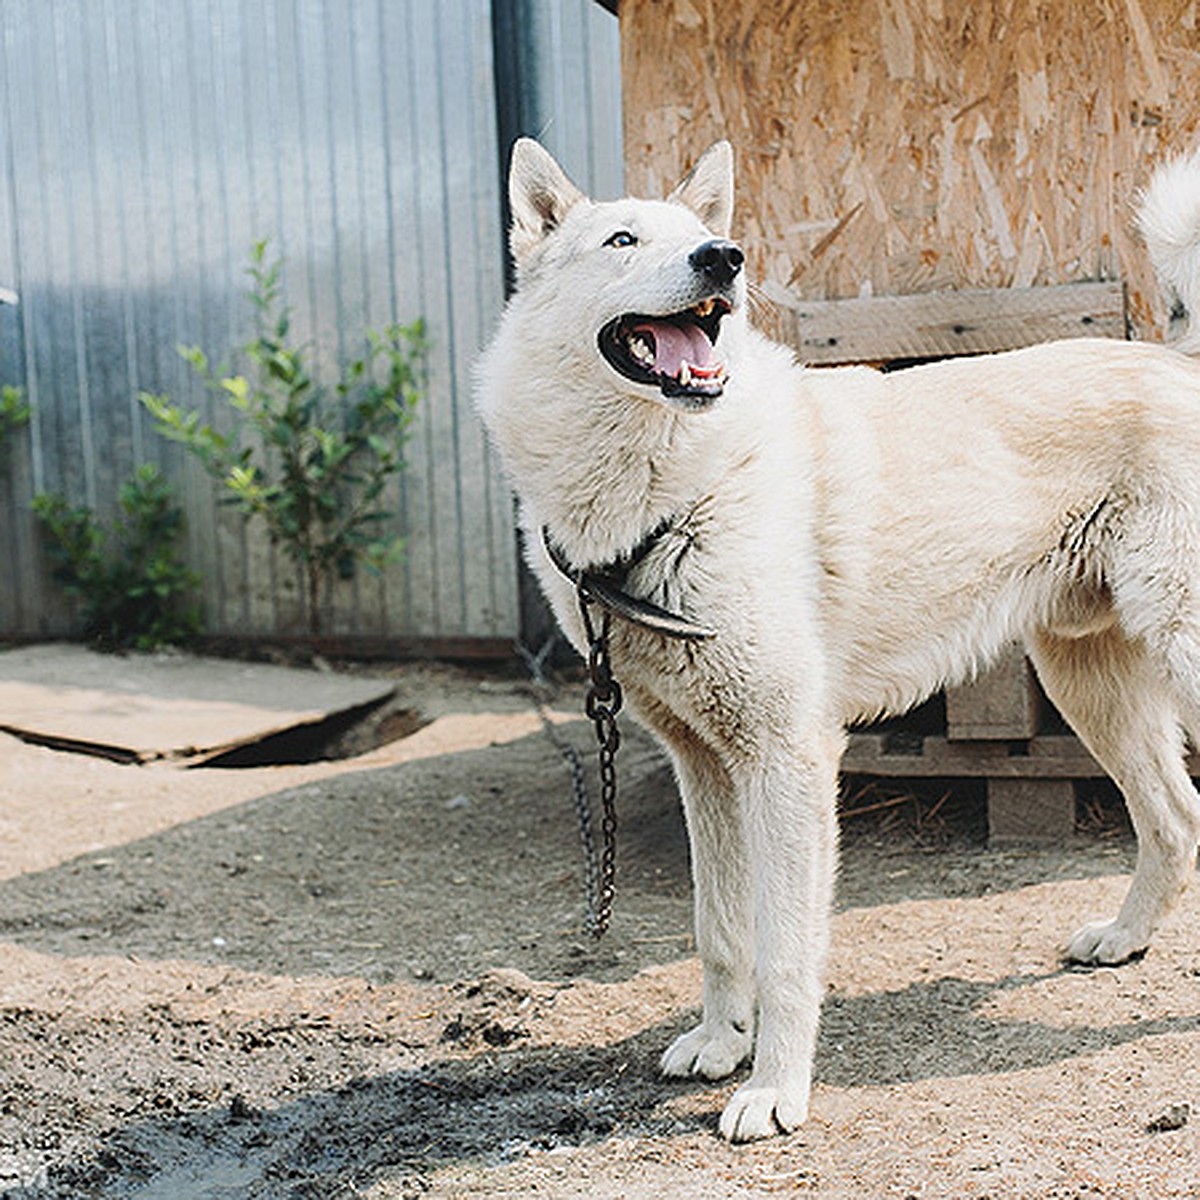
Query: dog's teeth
[640,349]
[704,308]
[685,374]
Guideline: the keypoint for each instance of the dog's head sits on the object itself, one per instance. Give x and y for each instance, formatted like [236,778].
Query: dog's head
[651,282]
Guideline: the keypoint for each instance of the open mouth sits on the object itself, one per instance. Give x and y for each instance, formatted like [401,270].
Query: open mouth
[675,353]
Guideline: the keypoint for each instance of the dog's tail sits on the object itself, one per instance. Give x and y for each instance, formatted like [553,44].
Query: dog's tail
[1169,220]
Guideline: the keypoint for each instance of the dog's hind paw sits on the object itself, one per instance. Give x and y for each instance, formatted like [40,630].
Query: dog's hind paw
[704,1051]
[760,1112]
[1105,943]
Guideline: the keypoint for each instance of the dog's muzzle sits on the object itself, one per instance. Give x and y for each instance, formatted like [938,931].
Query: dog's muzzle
[676,352]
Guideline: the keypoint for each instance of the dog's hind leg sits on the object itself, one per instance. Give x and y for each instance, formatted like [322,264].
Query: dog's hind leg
[724,927]
[1121,703]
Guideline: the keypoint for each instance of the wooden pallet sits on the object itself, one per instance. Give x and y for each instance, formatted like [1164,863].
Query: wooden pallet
[1030,784]
[992,734]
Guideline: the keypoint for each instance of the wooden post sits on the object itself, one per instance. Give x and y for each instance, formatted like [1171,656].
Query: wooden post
[1001,705]
[1030,811]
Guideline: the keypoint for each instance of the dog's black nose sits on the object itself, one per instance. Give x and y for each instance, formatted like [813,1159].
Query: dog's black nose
[719,261]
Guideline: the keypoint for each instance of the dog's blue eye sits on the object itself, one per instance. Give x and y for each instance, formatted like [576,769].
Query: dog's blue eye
[621,239]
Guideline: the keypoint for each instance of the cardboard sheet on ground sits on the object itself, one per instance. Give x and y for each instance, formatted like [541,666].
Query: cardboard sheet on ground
[147,707]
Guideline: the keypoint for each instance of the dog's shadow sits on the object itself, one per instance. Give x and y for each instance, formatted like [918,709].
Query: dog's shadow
[939,1029]
[495,1107]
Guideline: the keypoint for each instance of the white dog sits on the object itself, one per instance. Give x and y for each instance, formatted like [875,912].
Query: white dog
[855,540]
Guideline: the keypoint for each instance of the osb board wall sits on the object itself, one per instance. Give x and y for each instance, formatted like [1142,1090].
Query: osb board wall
[900,146]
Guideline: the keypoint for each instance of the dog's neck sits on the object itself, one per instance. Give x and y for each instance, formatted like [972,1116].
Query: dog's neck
[633,475]
[599,466]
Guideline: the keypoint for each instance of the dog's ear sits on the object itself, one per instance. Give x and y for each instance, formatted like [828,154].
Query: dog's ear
[539,194]
[707,189]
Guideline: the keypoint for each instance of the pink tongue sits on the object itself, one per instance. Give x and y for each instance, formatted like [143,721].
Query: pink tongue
[676,344]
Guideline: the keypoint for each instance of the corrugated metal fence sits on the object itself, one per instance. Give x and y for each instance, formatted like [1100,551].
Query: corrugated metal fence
[145,145]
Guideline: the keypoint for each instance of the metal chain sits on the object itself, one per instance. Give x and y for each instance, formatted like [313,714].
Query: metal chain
[583,814]
[602,705]
[603,588]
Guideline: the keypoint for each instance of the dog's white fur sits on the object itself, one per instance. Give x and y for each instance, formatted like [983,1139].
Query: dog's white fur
[858,540]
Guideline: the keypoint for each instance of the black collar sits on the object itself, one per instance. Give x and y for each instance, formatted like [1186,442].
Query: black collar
[605,584]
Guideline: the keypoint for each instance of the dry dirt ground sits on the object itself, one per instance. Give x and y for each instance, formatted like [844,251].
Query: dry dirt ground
[367,978]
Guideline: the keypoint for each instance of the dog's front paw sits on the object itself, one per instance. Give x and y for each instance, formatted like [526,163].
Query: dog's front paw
[756,1112]
[710,1050]
[1105,943]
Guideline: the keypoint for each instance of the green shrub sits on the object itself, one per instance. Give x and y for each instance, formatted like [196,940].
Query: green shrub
[311,461]
[14,412]
[132,587]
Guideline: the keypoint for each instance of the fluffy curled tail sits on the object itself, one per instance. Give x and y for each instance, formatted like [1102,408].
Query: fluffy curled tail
[1169,219]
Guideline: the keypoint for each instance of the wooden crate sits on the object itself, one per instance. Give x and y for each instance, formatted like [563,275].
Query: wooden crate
[1030,782]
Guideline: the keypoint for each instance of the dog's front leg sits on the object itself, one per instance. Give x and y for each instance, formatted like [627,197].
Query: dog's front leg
[789,803]
[724,930]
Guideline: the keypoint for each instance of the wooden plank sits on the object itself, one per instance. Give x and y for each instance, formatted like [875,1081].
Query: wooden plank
[948,323]
[1001,704]
[146,707]
[1047,757]
[1055,756]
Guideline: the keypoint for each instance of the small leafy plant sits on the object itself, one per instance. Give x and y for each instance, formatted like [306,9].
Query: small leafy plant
[134,590]
[311,461]
[14,412]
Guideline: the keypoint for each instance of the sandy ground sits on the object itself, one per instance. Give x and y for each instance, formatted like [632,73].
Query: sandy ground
[367,979]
